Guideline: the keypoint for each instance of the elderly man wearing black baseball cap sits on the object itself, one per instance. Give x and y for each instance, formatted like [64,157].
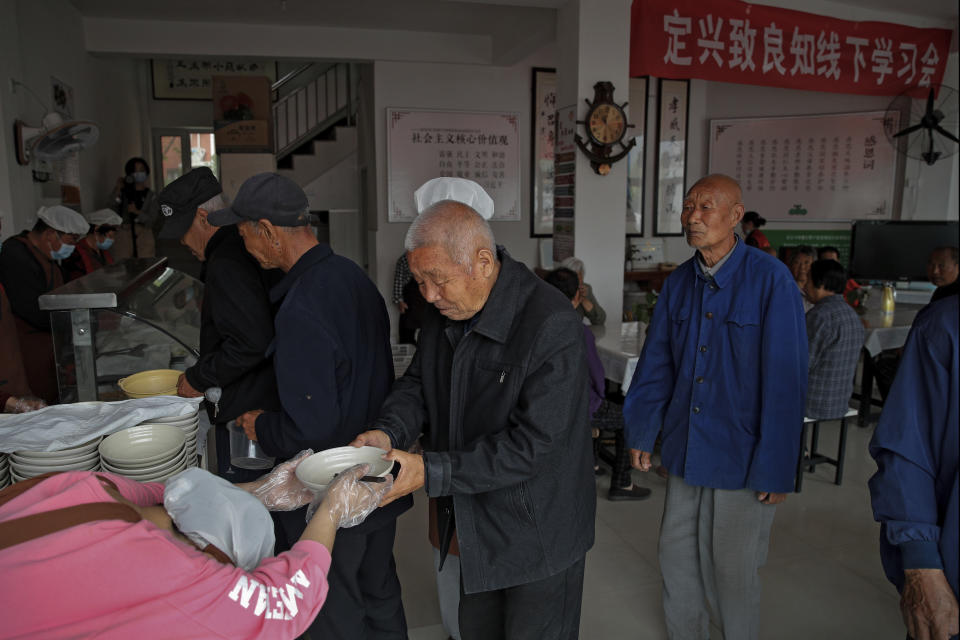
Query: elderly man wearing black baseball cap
[334,368]
[236,319]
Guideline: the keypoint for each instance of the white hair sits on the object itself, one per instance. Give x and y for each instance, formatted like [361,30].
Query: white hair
[572,263]
[456,227]
[215,203]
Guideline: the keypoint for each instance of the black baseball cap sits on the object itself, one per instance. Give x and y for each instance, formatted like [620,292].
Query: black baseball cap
[179,200]
[266,196]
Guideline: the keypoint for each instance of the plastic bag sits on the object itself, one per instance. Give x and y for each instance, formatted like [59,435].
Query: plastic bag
[349,499]
[280,490]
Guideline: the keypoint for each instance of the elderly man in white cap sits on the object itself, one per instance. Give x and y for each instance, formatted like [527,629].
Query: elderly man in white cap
[93,250]
[498,387]
[30,267]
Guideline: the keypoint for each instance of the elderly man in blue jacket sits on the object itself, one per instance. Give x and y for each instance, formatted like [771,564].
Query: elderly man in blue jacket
[722,378]
[334,368]
[916,487]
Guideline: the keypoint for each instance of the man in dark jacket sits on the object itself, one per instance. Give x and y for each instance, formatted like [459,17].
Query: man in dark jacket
[236,319]
[334,367]
[499,384]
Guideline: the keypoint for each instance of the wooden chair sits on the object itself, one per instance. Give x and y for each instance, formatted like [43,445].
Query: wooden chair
[810,461]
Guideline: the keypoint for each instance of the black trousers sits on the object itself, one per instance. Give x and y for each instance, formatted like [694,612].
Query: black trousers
[609,417]
[364,596]
[548,609]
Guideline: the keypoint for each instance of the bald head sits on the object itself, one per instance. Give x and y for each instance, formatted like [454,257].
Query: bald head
[722,185]
[453,226]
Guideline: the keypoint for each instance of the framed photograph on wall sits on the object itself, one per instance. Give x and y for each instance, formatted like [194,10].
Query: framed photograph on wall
[543,115]
[636,159]
[673,110]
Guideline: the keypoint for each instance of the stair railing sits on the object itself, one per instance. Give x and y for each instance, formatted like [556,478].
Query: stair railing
[317,104]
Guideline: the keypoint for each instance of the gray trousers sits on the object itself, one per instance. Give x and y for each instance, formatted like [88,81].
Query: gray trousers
[712,545]
[448,592]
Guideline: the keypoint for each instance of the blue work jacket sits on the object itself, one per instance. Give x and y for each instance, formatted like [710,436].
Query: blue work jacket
[723,375]
[916,446]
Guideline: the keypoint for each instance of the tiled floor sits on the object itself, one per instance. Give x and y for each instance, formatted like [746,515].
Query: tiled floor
[823,578]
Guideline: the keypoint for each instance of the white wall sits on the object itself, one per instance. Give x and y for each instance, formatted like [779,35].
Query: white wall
[43,38]
[455,87]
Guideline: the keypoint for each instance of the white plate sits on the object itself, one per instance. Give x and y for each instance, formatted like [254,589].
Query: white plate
[163,475]
[86,447]
[183,424]
[147,469]
[317,471]
[141,467]
[30,472]
[142,445]
[186,417]
[55,462]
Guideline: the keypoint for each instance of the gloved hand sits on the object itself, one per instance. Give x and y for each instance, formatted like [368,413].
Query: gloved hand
[25,404]
[280,490]
[349,500]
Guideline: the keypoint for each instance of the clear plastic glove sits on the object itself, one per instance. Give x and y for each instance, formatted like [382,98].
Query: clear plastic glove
[280,490]
[350,500]
[25,404]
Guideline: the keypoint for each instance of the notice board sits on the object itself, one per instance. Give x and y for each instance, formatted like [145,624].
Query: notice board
[480,146]
[824,167]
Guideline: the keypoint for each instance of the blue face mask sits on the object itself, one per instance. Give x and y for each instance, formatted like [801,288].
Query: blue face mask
[106,244]
[63,252]
[139,176]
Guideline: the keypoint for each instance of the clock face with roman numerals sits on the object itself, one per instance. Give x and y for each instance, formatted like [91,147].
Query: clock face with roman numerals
[606,123]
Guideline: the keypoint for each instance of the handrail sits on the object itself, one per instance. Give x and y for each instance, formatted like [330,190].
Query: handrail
[290,76]
[332,88]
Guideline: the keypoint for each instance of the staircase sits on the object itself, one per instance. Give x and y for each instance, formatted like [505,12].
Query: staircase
[315,144]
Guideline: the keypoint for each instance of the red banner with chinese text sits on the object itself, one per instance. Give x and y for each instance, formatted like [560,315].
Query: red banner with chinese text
[733,41]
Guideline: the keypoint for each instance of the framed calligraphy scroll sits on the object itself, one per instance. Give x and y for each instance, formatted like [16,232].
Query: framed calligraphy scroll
[671,165]
[478,145]
[191,78]
[543,112]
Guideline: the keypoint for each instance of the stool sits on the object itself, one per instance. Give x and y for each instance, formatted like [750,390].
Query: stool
[810,462]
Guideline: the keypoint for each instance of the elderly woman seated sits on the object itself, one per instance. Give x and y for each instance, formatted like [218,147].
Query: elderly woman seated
[588,308]
[95,554]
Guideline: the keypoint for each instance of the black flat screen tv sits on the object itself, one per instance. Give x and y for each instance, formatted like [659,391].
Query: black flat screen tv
[889,250]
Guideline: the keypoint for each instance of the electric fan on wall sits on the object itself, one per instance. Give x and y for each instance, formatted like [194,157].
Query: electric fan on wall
[930,130]
[53,139]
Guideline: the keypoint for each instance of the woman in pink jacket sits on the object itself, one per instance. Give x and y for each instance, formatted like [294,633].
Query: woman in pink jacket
[129,572]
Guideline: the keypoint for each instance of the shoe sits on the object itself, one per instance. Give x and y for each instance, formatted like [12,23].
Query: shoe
[599,471]
[633,493]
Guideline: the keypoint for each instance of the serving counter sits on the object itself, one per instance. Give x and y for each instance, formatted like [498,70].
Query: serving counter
[127,317]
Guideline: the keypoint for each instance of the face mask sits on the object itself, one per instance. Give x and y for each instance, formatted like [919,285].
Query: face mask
[139,176]
[106,244]
[63,252]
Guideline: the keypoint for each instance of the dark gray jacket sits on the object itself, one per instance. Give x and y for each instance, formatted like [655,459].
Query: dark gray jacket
[508,433]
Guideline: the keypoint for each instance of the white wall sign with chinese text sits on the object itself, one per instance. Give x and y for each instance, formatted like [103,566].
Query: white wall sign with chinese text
[672,116]
[828,167]
[480,146]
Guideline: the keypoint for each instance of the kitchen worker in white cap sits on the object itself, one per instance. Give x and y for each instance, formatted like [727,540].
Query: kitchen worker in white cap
[93,250]
[29,268]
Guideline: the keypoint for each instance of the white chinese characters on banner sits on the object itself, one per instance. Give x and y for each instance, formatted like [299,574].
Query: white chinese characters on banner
[838,167]
[480,146]
[730,44]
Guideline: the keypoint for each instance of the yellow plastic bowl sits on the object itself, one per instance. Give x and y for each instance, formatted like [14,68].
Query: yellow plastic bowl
[146,384]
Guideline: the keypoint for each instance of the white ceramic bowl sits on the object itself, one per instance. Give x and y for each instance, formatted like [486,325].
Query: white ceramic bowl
[150,470]
[193,415]
[29,471]
[177,422]
[317,471]
[86,447]
[137,467]
[56,462]
[162,475]
[155,382]
[142,445]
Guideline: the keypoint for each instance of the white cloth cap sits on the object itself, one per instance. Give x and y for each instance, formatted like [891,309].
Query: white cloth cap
[458,189]
[63,219]
[104,216]
[209,510]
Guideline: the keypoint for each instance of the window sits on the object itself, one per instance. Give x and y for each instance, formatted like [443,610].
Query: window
[178,151]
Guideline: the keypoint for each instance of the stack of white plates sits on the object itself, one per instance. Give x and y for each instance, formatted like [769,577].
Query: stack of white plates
[27,464]
[189,424]
[4,470]
[146,453]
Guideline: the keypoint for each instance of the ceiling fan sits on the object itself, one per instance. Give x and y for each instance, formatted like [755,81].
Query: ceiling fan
[933,136]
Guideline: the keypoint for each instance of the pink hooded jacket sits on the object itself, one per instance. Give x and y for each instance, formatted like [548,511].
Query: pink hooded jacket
[114,579]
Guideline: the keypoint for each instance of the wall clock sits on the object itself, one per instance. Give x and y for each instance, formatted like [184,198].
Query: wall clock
[606,125]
